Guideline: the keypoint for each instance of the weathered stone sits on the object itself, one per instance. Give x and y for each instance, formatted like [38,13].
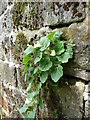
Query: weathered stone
[79,73]
[3,6]
[6,21]
[79,66]
[87,109]
[20,45]
[5,69]
[64,99]
[39,14]
[4,105]
[87,88]
[15,99]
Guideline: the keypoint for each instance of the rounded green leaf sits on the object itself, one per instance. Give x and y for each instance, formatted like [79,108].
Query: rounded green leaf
[56,73]
[29,50]
[44,42]
[64,57]
[45,63]
[43,76]
[38,56]
[59,48]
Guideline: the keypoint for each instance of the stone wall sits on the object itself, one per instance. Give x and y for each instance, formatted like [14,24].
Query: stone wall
[23,23]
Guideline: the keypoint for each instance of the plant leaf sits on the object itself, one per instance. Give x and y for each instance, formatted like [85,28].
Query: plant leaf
[57,35]
[26,58]
[44,42]
[64,57]
[31,71]
[23,109]
[31,114]
[26,76]
[43,76]
[41,103]
[59,48]
[30,84]
[31,95]
[29,50]
[38,56]
[36,70]
[26,67]
[70,51]
[56,73]
[45,63]
[50,36]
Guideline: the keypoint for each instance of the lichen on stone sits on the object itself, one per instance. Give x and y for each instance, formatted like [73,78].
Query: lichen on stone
[18,12]
[20,45]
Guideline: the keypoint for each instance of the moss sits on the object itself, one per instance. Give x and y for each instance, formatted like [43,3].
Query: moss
[18,12]
[21,44]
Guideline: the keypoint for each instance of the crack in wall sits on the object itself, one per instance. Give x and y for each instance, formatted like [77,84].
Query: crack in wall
[61,25]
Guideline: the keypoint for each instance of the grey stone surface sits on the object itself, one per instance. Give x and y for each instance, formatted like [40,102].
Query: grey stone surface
[3,6]
[87,109]
[39,14]
[8,74]
[13,97]
[64,100]
[79,66]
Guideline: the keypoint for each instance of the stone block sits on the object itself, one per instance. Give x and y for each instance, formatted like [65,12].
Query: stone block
[41,14]
[3,6]
[8,72]
[87,109]
[79,66]
[64,99]
[15,99]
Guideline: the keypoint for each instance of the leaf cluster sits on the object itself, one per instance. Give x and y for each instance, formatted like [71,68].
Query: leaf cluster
[41,61]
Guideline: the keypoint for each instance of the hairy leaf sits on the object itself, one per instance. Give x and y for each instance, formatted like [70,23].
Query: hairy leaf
[26,68]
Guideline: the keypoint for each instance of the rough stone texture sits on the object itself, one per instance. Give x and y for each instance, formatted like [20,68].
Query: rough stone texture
[17,22]
[3,6]
[64,99]
[87,100]
[41,14]
[87,109]
[80,65]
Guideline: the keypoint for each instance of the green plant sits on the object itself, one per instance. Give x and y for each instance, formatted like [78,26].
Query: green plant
[41,61]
